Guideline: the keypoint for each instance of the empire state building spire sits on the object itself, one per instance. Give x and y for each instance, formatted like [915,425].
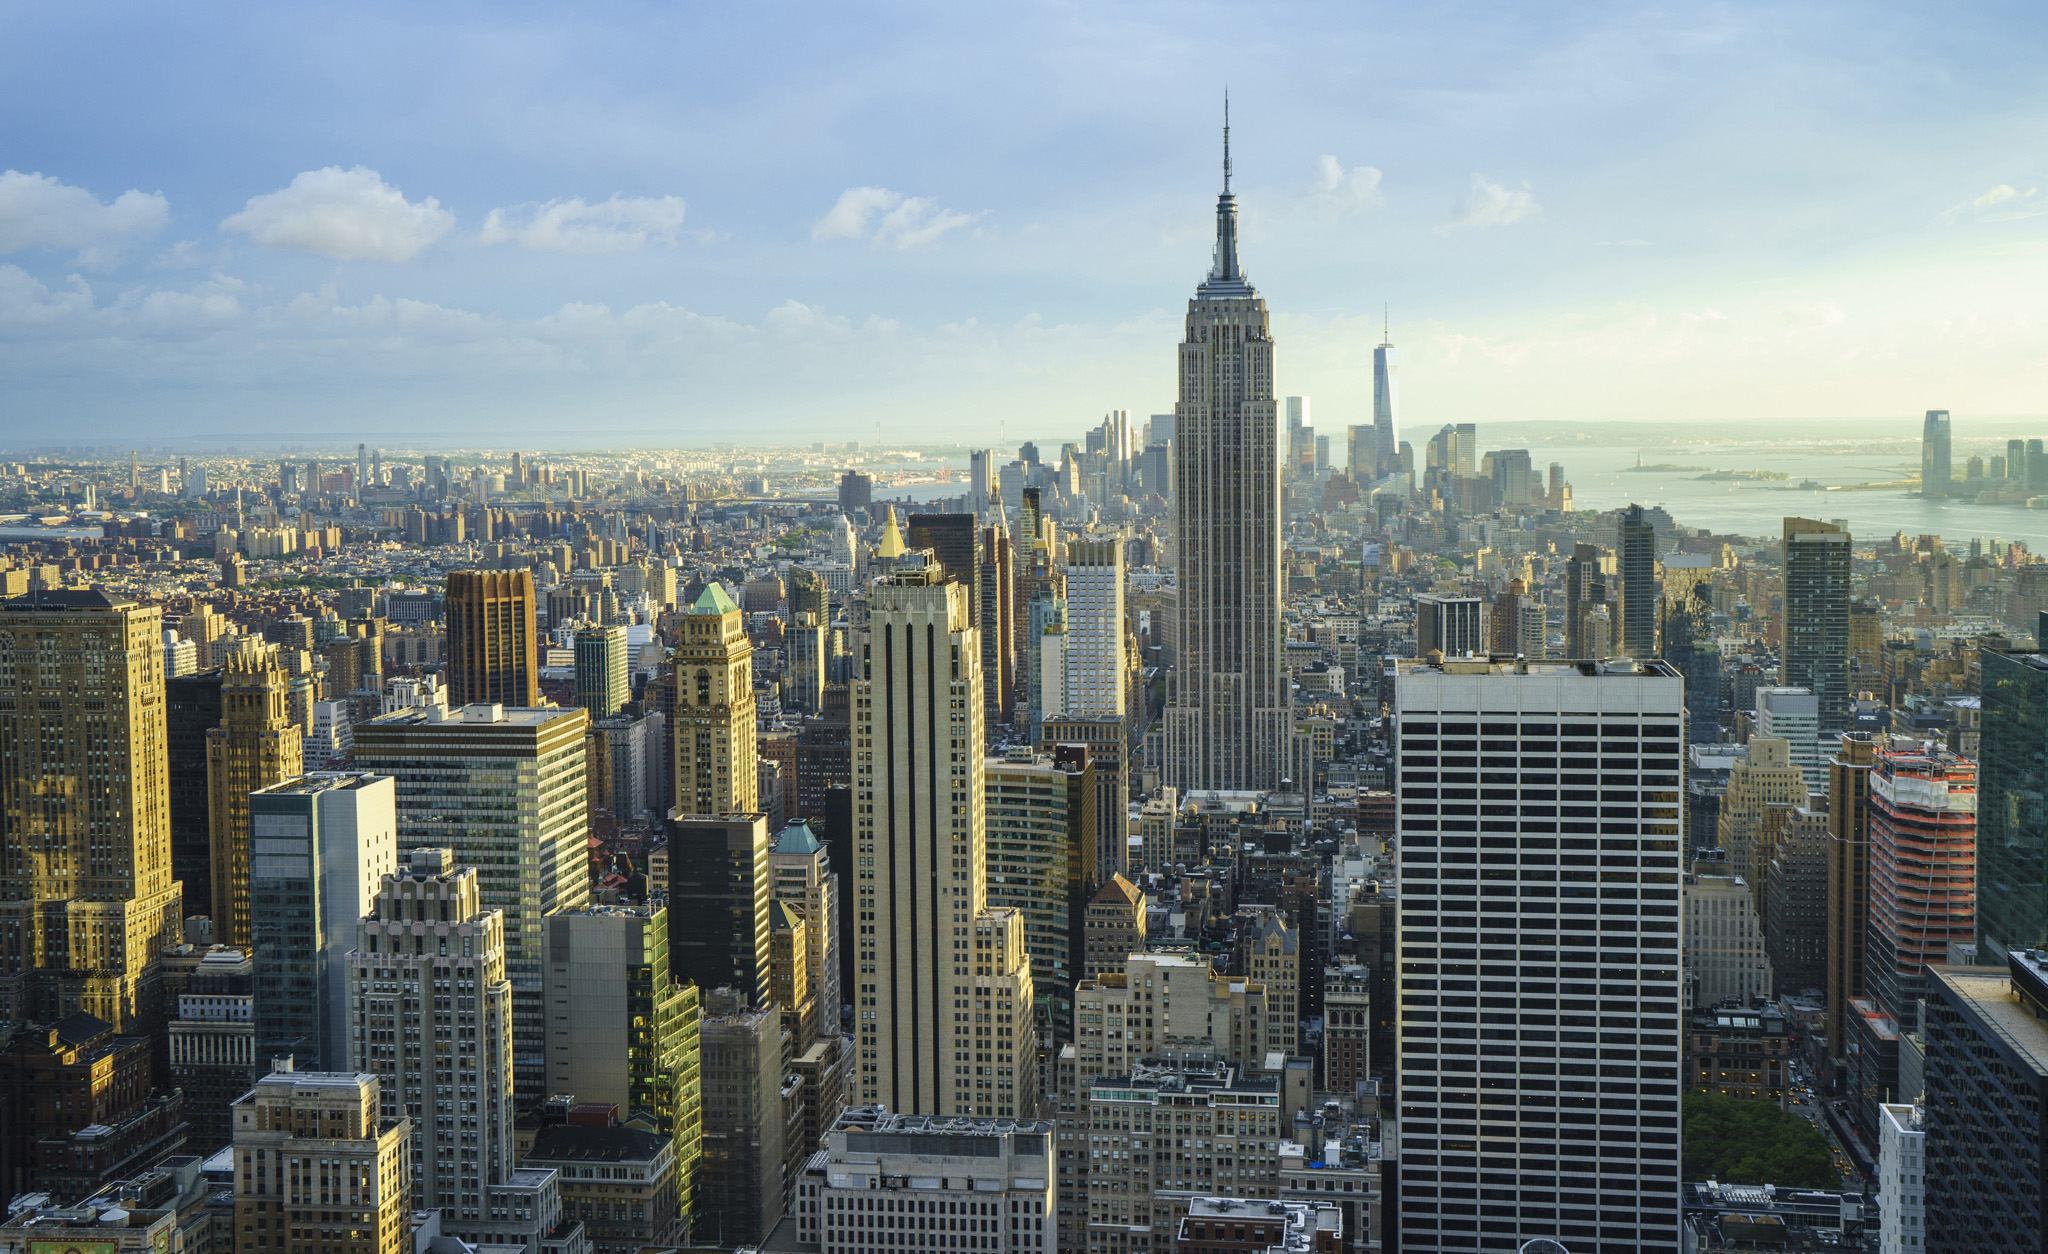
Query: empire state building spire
[1225,278]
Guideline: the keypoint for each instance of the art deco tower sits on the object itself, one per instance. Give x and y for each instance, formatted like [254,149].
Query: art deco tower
[716,769]
[1228,724]
[255,746]
[87,901]
[943,999]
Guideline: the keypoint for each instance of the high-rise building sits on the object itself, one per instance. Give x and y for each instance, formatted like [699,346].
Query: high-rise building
[604,683]
[299,1126]
[1793,716]
[1097,746]
[192,708]
[1093,663]
[741,1185]
[1588,635]
[719,887]
[1113,928]
[1636,557]
[492,653]
[1723,933]
[1590,1161]
[1347,1029]
[256,745]
[429,966]
[1848,892]
[2012,826]
[1765,777]
[1385,429]
[802,878]
[505,789]
[1986,1163]
[83,784]
[621,1029]
[1228,720]
[1040,832]
[856,492]
[1923,870]
[1935,462]
[324,844]
[212,1038]
[714,716]
[1172,1133]
[1815,651]
[944,1000]
[1452,626]
[804,638]
[1901,1179]
[998,625]
[1795,903]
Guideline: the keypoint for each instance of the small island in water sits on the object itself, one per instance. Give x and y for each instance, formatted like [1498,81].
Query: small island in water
[1661,468]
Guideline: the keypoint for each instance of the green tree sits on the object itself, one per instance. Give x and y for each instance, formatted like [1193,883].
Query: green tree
[1739,1141]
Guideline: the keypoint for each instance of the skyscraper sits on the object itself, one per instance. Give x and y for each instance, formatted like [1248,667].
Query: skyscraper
[503,788]
[719,887]
[1229,719]
[255,746]
[715,766]
[492,655]
[2012,829]
[1848,883]
[603,684]
[1093,664]
[430,966]
[1986,1167]
[1815,626]
[621,1028]
[87,902]
[1935,462]
[1637,560]
[932,957]
[1385,430]
[1530,1115]
[325,844]
[1923,870]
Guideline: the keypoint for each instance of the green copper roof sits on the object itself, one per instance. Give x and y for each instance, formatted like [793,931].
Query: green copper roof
[714,601]
[797,838]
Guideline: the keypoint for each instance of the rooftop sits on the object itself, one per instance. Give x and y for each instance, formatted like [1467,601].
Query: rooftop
[1990,993]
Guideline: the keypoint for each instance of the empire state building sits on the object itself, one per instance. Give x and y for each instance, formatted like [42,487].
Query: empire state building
[1228,723]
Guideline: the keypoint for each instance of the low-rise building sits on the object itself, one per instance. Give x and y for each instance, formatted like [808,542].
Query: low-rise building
[317,1168]
[885,1184]
[1737,1050]
[619,1182]
[1760,1218]
[1234,1225]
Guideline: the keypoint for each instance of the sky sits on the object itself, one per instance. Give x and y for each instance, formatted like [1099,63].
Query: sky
[673,224]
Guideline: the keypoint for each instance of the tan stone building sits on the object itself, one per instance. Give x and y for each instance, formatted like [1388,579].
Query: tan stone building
[943,994]
[87,902]
[255,746]
[715,762]
[1113,929]
[318,1170]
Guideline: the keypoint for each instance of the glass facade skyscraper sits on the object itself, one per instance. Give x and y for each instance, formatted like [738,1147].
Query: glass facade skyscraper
[2012,827]
[1816,617]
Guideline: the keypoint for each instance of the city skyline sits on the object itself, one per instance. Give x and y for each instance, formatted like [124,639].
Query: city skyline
[827,252]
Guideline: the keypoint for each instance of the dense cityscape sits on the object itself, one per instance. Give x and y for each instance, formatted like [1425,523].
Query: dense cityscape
[1343,845]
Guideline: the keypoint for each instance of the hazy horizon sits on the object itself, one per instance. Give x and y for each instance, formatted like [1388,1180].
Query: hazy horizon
[512,223]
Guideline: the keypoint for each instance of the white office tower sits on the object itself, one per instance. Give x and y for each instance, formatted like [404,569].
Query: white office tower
[1539,954]
[1228,722]
[1385,431]
[1093,656]
[943,998]
[1901,1176]
[1793,716]
[430,1015]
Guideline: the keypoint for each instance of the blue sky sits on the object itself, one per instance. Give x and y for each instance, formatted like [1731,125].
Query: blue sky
[669,224]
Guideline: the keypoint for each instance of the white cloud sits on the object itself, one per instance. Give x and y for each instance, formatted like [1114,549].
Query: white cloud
[350,215]
[888,219]
[1487,203]
[31,308]
[1337,187]
[2001,202]
[39,212]
[622,224]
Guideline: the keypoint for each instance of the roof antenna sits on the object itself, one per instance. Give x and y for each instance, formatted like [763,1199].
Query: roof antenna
[1226,141]
[1387,323]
